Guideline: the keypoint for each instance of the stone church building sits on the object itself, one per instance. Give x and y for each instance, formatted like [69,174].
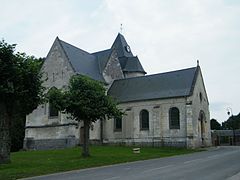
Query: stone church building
[165,109]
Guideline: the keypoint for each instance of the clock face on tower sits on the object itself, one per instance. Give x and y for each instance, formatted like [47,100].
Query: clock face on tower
[127,48]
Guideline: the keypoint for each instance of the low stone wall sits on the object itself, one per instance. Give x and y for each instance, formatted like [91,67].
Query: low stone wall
[43,144]
[147,142]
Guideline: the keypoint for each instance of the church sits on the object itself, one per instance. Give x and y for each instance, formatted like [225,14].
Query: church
[165,109]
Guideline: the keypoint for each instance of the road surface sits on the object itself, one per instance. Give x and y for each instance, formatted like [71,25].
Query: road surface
[214,164]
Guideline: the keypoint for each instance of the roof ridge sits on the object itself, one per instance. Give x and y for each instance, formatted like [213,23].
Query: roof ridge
[65,53]
[121,37]
[104,53]
[118,36]
[158,86]
[74,46]
[101,51]
[195,78]
[98,64]
[81,61]
[156,74]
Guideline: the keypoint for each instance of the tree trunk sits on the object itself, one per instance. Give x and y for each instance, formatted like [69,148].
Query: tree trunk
[85,152]
[5,139]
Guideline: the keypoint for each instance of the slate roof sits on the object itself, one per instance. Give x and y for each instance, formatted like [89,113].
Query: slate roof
[93,64]
[158,86]
[120,45]
[131,64]
[83,62]
[102,57]
[128,62]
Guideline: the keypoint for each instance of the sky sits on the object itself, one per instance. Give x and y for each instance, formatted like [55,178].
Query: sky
[165,35]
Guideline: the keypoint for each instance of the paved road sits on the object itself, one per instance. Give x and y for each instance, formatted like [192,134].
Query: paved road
[215,164]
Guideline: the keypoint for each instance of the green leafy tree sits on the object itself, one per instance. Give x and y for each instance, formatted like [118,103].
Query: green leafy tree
[85,100]
[233,122]
[17,129]
[20,91]
[215,125]
[17,132]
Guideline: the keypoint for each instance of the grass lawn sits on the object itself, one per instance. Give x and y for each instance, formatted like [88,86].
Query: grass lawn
[33,163]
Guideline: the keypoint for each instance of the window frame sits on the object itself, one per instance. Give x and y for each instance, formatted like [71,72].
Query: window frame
[200,97]
[117,129]
[174,123]
[52,109]
[141,116]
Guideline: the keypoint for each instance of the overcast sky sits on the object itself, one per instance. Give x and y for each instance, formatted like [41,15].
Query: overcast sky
[166,35]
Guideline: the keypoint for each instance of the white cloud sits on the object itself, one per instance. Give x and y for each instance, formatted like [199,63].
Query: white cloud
[166,35]
[169,35]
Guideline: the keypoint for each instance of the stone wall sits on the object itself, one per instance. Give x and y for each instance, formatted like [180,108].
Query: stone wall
[52,131]
[43,131]
[42,144]
[112,70]
[200,104]
[190,132]
[158,132]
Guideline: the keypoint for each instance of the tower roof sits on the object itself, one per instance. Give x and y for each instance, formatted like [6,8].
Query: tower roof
[121,46]
[93,64]
[128,62]
[131,64]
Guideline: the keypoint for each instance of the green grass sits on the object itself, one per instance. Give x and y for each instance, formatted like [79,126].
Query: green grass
[33,163]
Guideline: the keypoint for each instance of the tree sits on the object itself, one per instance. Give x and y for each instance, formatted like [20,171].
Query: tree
[17,129]
[20,91]
[233,122]
[17,132]
[215,125]
[85,100]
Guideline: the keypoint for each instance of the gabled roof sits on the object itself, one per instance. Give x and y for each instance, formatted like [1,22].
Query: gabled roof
[158,86]
[82,62]
[102,57]
[93,64]
[128,62]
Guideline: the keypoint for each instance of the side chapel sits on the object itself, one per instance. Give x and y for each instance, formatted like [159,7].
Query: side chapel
[165,109]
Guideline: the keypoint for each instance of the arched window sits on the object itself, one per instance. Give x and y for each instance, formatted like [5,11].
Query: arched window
[118,124]
[174,120]
[53,112]
[202,125]
[202,116]
[144,119]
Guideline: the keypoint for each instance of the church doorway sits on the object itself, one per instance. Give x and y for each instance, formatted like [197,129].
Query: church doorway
[202,119]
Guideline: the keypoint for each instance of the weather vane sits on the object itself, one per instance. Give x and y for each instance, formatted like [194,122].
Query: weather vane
[121,28]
